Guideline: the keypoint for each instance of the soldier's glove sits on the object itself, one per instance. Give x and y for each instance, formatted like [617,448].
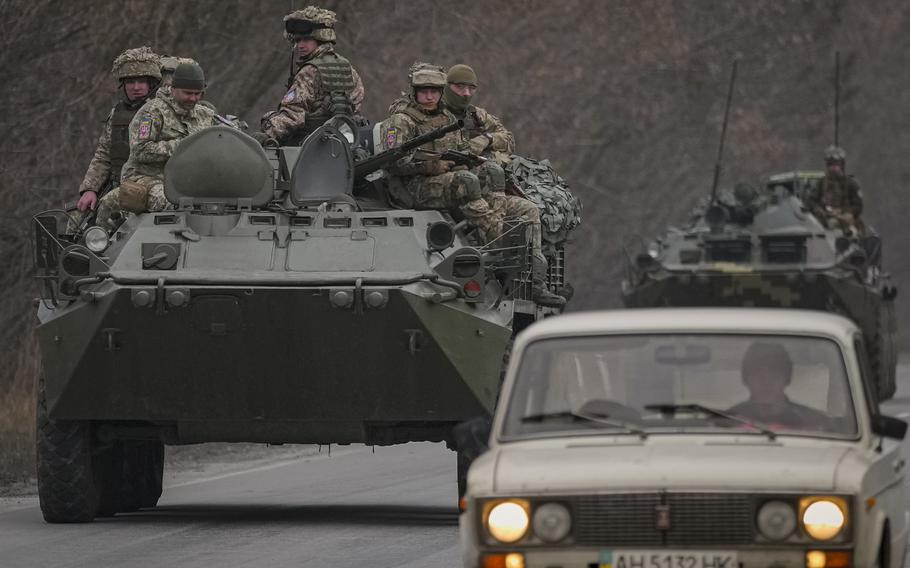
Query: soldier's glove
[478,144]
[262,138]
[133,197]
[438,167]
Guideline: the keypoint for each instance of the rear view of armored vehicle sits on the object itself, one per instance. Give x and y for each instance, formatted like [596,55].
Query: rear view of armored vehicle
[282,300]
[766,249]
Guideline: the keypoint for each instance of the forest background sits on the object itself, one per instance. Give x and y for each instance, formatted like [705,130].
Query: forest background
[624,97]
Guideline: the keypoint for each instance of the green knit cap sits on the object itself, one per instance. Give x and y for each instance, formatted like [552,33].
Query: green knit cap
[461,74]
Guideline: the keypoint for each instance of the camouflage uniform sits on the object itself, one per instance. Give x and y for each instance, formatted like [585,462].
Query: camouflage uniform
[837,200]
[114,146]
[420,186]
[325,84]
[154,134]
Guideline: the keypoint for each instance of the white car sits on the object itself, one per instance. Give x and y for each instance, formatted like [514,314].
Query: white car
[688,438]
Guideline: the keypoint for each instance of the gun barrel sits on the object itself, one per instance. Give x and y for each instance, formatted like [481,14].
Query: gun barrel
[373,163]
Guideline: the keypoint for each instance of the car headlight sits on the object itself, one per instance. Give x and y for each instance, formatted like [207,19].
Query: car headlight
[823,518]
[552,522]
[776,520]
[96,239]
[507,521]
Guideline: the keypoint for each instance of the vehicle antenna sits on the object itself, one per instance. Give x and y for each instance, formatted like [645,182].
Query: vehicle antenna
[836,96]
[723,134]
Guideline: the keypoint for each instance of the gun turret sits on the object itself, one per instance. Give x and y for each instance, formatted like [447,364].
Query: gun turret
[373,163]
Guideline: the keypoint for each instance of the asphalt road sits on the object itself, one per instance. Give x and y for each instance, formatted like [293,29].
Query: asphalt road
[391,508]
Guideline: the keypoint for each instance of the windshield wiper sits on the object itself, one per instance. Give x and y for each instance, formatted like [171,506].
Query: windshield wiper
[670,408]
[596,418]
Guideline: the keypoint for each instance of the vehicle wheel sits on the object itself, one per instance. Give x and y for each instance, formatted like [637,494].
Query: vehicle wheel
[152,473]
[68,476]
[463,464]
[883,357]
[122,490]
[883,559]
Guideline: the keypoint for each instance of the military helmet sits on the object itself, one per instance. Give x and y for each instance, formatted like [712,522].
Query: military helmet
[312,22]
[137,62]
[835,154]
[426,75]
[461,74]
[169,63]
[188,76]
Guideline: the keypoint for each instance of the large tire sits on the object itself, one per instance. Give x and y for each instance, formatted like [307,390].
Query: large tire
[121,490]
[135,472]
[883,354]
[152,453]
[68,480]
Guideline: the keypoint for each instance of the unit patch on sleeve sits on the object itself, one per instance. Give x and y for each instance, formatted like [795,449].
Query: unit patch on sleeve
[292,94]
[145,127]
[391,137]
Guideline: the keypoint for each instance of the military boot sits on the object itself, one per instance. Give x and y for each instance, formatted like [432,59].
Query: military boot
[539,292]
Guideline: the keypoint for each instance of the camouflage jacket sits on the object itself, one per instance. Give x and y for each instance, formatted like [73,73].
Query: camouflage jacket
[410,121]
[109,153]
[155,132]
[479,122]
[306,97]
[836,195]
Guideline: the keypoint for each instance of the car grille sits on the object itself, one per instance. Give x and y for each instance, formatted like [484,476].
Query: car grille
[631,519]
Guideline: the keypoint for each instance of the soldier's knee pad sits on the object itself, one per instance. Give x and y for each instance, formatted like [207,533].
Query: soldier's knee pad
[467,186]
[492,176]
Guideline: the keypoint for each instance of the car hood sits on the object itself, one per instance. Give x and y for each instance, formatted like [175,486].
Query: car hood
[708,466]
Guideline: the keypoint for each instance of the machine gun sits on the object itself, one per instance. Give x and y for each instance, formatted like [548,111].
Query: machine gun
[462,158]
[365,167]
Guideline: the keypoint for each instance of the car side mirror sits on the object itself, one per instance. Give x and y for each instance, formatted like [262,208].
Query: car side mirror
[889,427]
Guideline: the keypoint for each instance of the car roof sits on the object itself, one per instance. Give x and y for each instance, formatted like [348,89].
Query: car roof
[778,321]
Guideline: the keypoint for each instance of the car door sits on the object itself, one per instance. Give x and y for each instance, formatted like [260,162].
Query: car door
[884,480]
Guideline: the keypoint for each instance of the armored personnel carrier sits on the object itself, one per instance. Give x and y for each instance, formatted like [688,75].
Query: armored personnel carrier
[765,249]
[283,300]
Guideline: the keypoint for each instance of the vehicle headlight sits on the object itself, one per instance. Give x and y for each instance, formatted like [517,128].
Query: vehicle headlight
[96,239]
[552,522]
[507,521]
[776,520]
[823,518]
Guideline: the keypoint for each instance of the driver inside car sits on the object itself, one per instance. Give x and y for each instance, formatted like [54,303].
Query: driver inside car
[766,371]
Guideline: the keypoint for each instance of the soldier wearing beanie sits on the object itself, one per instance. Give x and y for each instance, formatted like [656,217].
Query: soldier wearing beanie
[155,133]
[138,73]
[487,137]
[324,84]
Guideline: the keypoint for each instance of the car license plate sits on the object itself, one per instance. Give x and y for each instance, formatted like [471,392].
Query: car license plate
[668,559]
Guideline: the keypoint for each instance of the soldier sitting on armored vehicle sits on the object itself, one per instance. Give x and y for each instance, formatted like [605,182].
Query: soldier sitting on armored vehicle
[137,71]
[426,181]
[154,133]
[325,83]
[837,201]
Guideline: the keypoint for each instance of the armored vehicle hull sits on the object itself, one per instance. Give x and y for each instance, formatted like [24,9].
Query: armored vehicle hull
[282,300]
[769,251]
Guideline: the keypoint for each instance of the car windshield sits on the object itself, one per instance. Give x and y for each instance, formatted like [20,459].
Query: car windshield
[652,384]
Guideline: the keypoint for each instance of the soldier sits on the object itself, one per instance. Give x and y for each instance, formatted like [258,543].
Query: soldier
[138,72]
[325,83]
[154,134]
[838,200]
[486,136]
[424,181]
[169,64]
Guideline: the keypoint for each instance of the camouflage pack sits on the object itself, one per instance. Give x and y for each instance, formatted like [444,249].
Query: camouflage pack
[560,209]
